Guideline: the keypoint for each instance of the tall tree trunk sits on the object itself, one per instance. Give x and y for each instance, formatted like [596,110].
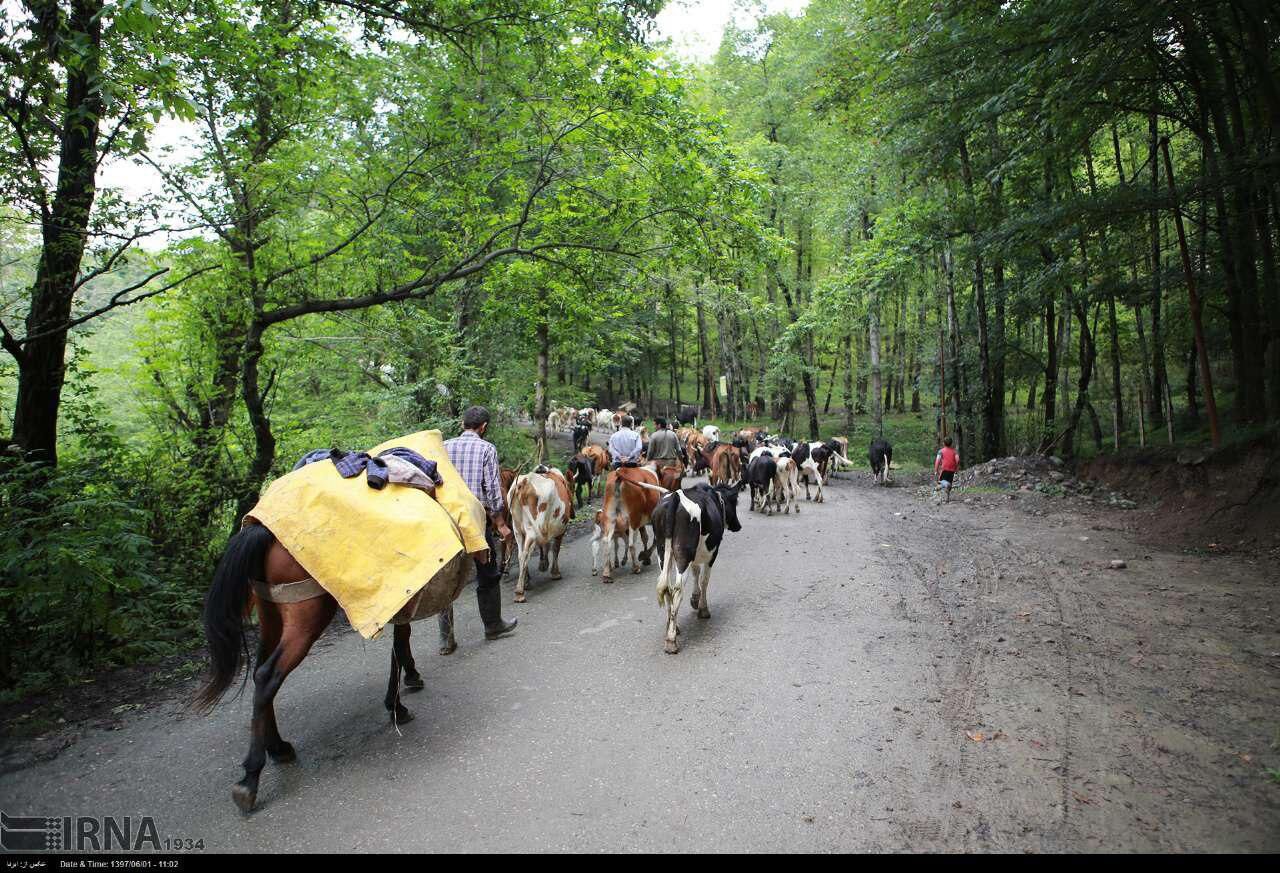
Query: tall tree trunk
[42,360]
[540,410]
[990,426]
[1155,406]
[847,392]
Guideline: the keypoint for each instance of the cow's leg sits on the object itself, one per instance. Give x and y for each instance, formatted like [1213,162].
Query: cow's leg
[448,645]
[632,535]
[597,539]
[555,556]
[704,582]
[523,553]
[646,554]
[610,556]
[301,625]
[674,594]
[542,557]
[400,641]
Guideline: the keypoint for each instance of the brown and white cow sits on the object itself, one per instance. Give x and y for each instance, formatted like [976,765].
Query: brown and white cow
[541,507]
[621,533]
[630,496]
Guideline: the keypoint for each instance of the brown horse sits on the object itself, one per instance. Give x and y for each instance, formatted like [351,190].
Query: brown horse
[292,613]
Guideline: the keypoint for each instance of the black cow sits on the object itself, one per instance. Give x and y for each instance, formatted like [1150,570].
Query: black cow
[578,475]
[881,456]
[580,434]
[688,526]
[687,415]
[760,473]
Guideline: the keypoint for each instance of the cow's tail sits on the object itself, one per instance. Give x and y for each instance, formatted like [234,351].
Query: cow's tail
[224,610]
[648,485]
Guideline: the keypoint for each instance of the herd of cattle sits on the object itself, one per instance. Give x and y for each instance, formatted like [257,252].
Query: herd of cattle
[646,510]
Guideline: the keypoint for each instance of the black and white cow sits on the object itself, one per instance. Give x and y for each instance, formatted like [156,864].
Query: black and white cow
[580,433]
[881,456]
[688,526]
[578,472]
[761,471]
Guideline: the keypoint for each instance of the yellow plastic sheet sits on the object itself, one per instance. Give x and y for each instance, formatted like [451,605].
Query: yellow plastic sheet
[373,550]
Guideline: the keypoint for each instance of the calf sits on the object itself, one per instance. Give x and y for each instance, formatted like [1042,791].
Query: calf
[621,534]
[580,434]
[579,473]
[881,456]
[760,474]
[630,496]
[688,527]
[541,507]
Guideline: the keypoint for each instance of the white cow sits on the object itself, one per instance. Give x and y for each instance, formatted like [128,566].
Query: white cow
[604,420]
[711,432]
[785,483]
[541,507]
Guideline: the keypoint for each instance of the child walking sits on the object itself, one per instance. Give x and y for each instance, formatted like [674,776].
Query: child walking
[945,466]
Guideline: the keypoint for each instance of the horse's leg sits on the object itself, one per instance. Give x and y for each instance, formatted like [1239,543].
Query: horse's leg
[302,624]
[391,701]
[270,628]
[448,645]
[400,642]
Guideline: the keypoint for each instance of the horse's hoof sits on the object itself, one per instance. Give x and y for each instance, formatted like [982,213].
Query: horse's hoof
[414,682]
[283,753]
[671,647]
[448,649]
[244,797]
[401,716]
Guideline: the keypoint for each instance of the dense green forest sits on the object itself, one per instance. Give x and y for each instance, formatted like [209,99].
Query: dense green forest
[911,218]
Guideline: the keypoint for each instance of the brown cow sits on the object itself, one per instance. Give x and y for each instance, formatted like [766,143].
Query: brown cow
[541,507]
[726,465]
[599,463]
[630,496]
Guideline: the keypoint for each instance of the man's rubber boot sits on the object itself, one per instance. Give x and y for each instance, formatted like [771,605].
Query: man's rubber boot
[490,603]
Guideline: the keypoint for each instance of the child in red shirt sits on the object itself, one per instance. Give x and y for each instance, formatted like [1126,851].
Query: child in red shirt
[945,466]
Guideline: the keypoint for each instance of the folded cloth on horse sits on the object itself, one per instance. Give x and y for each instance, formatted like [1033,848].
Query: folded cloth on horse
[378,552]
[427,468]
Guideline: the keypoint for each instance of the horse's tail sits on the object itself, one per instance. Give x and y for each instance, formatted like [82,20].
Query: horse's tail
[224,610]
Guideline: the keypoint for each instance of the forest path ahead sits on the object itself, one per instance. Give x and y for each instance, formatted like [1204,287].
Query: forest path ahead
[878,673]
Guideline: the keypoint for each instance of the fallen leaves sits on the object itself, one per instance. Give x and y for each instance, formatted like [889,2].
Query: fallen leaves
[980,737]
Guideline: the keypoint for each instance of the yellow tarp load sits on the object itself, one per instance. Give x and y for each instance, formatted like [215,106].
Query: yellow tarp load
[378,552]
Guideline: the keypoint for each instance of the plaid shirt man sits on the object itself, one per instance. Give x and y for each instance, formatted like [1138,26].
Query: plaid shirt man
[477,462]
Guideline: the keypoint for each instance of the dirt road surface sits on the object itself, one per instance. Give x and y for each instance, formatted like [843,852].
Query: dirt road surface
[879,673]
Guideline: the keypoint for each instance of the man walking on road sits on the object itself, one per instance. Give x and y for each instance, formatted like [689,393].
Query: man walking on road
[945,466]
[477,461]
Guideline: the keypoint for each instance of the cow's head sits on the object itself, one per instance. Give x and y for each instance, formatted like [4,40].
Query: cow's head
[729,497]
